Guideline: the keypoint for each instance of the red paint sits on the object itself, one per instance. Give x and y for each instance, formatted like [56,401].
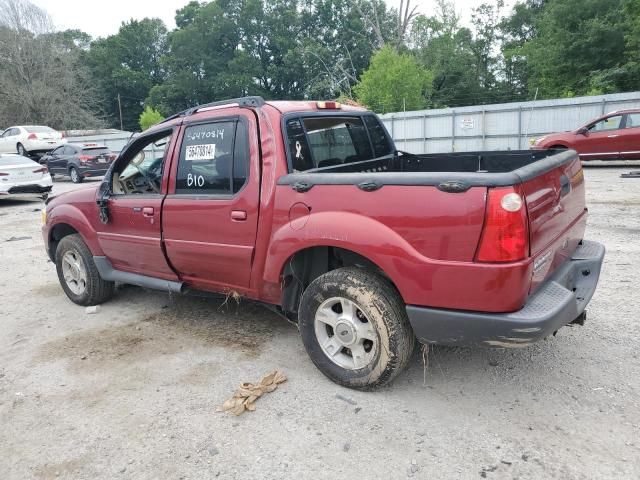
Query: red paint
[425,240]
[620,142]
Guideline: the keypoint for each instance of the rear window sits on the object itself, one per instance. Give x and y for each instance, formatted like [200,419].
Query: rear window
[96,150]
[39,130]
[325,141]
[6,161]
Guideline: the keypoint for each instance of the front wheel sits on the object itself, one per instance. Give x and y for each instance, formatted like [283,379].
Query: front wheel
[21,150]
[78,274]
[75,176]
[354,327]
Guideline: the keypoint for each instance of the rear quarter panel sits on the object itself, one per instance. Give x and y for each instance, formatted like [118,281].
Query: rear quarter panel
[423,239]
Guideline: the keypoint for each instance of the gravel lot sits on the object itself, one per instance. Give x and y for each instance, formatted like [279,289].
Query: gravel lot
[132,391]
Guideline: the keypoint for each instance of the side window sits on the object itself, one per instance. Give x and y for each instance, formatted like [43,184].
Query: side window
[381,144]
[298,146]
[633,120]
[611,123]
[206,158]
[57,151]
[240,157]
[68,151]
[140,167]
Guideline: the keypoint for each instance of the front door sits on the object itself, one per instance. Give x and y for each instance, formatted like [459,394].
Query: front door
[210,215]
[601,141]
[131,239]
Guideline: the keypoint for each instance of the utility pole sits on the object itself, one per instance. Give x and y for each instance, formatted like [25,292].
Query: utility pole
[120,109]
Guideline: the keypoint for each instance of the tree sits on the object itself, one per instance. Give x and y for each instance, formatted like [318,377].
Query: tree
[394,82]
[441,45]
[578,45]
[42,79]
[128,65]
[149,117]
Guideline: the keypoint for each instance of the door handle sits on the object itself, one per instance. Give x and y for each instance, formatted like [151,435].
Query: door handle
[148,211]
[238,215]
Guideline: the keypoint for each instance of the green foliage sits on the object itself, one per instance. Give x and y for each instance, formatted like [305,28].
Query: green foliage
[298,49]
[149,117]
[129,64]
[394,82]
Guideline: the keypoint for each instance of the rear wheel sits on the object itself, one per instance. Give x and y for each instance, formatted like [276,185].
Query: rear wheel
[78,274]
[75,176]
[21,150]
[355,328]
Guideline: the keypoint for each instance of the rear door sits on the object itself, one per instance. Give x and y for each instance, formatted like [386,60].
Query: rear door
[602,140]
[8,141]
[630,137]
[210,215]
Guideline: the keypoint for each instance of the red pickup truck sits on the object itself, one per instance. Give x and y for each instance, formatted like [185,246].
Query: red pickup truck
[309,208]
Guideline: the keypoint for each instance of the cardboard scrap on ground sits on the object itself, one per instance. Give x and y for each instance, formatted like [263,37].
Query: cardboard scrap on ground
[248,393]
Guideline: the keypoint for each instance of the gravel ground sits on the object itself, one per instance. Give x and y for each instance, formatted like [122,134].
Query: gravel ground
[132,391]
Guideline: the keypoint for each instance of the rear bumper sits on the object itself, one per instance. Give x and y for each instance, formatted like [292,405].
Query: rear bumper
[28,187]
[562,299]
[93,171]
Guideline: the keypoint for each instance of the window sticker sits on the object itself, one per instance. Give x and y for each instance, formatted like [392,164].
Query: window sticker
[200,152]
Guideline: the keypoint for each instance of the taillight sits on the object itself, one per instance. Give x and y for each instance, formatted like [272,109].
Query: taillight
[32,136]
[84,158]
[505,235]
[41,170]
[2,174]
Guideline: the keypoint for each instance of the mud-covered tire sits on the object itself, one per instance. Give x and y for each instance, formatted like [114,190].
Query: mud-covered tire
[96,290]
[379,305]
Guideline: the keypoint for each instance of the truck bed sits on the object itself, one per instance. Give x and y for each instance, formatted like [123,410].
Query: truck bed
[499,168]
[437,203]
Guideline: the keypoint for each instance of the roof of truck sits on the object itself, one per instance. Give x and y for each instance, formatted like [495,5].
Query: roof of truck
[287,106]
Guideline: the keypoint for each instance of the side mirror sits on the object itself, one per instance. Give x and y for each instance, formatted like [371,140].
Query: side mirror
[103,195]
[583,131]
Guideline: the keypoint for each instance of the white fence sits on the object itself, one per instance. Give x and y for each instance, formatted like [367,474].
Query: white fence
[507,126]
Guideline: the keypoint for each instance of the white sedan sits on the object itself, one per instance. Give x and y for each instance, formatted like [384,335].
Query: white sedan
[30,139]
[21,176]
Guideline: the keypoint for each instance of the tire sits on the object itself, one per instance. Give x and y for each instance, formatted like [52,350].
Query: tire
[378,321]
[75,176]
[21,150]
[93,290]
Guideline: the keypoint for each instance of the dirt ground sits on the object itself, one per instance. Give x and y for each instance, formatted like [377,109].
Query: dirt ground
[132,391]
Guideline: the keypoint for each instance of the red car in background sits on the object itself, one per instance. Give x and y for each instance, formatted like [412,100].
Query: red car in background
[613,136]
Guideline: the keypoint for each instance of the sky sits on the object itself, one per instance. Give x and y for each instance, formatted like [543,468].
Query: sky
[101,18]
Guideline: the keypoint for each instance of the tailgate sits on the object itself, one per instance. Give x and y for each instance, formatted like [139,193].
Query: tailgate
[557,216]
